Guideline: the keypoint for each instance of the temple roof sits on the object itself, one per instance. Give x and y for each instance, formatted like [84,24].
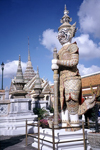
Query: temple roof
[88,81]
[37,81]
[29,86]
[92,79]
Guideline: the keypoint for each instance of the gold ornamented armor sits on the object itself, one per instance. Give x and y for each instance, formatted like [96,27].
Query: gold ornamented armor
[70,80]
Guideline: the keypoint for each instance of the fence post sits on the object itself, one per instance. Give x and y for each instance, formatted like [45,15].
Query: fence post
[26,132]
[53,136]
[88,123]
[38,135]
[84,136]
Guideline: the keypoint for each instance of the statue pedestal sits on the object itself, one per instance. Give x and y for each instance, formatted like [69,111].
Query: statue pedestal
[61,136]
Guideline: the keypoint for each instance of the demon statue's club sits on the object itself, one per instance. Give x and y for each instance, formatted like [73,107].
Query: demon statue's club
[70,79]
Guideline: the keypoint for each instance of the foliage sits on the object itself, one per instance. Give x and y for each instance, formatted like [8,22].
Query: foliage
[41,112]
[90,114]
[93,114]
[51,118]
[50,109]
[44,123]
[98,99]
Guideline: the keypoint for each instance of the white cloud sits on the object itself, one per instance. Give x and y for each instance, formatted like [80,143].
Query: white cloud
[49,40]
[51,83]
[87,48]
[10,68]
[89,14]
[85,71]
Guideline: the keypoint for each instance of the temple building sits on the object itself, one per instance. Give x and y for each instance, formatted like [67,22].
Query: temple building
[28,80]
[90,83]
[45,86]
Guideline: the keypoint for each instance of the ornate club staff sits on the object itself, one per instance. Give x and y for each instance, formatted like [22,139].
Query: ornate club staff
[55,78]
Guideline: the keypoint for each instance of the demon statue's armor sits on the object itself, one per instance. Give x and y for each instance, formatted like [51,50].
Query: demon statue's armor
[70,79]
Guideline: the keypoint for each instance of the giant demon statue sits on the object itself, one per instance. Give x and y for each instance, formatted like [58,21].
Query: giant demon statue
[70,79]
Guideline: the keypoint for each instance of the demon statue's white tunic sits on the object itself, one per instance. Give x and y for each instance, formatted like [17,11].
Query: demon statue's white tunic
[70,79]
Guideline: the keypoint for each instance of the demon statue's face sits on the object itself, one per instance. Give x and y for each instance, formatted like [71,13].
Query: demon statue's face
[64,36]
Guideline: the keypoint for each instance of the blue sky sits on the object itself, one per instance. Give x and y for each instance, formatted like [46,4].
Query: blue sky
[40,19]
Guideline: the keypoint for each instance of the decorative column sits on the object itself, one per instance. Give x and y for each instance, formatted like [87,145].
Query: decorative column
[55,78]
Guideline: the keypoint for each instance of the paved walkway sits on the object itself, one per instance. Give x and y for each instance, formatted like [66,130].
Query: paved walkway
[15,143]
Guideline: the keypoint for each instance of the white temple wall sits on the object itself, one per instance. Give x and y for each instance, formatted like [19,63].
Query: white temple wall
[4,108]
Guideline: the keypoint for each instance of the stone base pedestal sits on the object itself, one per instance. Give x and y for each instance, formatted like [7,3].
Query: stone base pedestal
[61,135]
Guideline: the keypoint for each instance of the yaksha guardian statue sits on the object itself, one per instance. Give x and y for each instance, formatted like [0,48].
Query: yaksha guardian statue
[70,79]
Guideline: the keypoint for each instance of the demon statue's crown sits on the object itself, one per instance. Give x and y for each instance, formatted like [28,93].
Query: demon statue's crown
[66,30]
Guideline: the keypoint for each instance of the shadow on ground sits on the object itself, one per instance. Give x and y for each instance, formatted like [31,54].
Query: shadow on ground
[15,143]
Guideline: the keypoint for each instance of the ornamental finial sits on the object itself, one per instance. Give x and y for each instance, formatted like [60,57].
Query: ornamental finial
[19,64]
[28,42]
[66,18]
[66,11]
[29,58]
[19,58]
[37,69]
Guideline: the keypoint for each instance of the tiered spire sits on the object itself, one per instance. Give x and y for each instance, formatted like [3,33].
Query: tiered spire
[29,72]
[38,87]
[38,81]
[66,18]
[19,74]
[18,83]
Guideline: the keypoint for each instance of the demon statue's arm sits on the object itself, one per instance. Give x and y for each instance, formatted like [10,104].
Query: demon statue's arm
[87,104]
[69,63]
[69,58]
